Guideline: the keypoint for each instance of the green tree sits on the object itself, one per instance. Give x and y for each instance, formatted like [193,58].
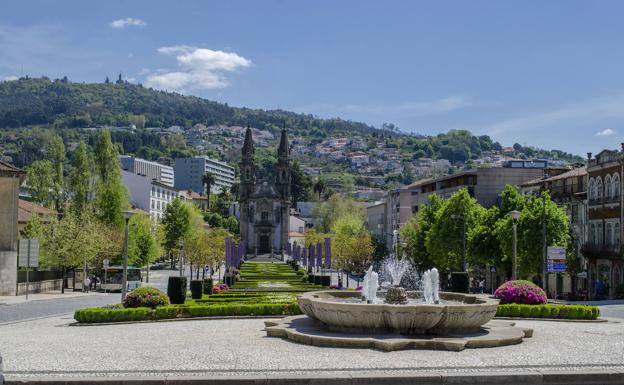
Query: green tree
[447,238]
[299,184]
[56,152]
[176,224]
[326,213]
[319,187]
[80,179]
[41,182]
[111,195]
[352,246]
[208,179]
[414,234]
[144,243]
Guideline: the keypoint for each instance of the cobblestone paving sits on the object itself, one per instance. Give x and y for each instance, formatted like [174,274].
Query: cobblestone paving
[239,347]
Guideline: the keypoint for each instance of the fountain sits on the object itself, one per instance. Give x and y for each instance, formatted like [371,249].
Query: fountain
[394,318]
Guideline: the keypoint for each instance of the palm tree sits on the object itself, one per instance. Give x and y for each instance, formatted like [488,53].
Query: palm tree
[208,180]
[319,187]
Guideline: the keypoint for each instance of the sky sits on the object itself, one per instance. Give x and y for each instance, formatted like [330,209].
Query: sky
[546,74]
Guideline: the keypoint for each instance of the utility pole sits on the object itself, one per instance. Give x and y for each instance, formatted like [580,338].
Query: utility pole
[544,246]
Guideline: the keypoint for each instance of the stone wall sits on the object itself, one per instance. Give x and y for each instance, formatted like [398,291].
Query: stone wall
[40,286]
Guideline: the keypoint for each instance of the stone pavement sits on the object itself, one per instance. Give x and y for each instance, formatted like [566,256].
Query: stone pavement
[231,348]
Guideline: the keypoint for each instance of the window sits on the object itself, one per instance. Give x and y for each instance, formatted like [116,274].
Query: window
[609,235]
[607,186]
[599,189]
[599,234]
[265,216]
[591,190]
[592,234]
[616,236]
[615,183]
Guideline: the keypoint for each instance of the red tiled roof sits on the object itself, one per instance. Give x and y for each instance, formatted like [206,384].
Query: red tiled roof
[26,209]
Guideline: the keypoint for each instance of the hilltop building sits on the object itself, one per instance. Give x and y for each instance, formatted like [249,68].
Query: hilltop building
[265,202]
[189,173]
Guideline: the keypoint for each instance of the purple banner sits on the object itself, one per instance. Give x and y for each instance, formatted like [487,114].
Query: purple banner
[319,254]
[304,255]
[328,252]
[311,255]
[227,251]
[288,249]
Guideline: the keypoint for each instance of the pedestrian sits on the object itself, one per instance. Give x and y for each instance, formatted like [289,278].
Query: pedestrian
[87,284]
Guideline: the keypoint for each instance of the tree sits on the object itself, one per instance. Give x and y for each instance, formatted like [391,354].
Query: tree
[483,245]
[447,239]
[144,243]
[40,182]
[176,224]
[231,224]
[319,187]
[299,184]
[208,179]
[352,246]
[80,178]
[111,195]
[56,152]
[414,234]
[326,213]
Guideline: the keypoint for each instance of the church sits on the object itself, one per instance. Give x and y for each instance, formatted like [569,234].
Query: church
[265,201]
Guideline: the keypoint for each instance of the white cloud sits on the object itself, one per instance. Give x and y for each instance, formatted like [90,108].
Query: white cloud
[199,68]
[605,132]
[420,108]
[590,110]
[127,22]
[8,78]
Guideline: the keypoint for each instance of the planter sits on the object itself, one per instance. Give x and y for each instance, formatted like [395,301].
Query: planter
[197,289]
[176,290]
[208,286]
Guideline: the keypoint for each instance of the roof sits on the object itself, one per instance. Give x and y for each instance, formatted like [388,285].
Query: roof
[7,169]
[26,210]
[575,172]
[190,194]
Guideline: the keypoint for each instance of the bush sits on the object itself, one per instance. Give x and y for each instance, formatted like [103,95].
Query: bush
[145,297]
[548,311]
[520,292]
[197,289]
[176,290]
[460,282]
[208,286]
[99,315]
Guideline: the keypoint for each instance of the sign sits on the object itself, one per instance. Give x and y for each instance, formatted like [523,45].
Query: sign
[582,274]
[28,253]
[556,252]
[105,263]
[556,267]
[493,269]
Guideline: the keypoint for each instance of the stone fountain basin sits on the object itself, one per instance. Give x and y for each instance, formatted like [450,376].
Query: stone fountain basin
[466,314]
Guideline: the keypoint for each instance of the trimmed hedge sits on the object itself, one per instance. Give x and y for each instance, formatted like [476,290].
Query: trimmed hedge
[197,289]
[176,290]
[100,315]
[552,311]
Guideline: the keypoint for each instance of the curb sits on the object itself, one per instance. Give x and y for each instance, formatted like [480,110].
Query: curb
[598,320]
[534,377]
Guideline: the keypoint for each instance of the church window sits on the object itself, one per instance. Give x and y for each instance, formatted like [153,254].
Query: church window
[265,216]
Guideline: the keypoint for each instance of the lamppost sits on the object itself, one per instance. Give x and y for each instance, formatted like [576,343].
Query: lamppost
[514,216]
[463,264]
[181,244]
[124,282]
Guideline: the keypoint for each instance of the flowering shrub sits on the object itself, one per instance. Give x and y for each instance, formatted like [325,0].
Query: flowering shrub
[146,297]
[224,286]
[220,288]
[359,288]
[215,290]
[523,292]
[334,286]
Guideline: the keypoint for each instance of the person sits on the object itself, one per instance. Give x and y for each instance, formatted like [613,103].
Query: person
[339,283]
[87,284]
[481,285]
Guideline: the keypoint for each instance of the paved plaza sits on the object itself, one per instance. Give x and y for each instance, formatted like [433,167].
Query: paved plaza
[51,347]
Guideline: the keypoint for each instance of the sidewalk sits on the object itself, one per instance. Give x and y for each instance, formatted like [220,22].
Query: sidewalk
[15,299]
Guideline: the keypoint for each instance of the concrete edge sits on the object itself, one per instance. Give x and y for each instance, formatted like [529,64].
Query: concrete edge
[177,319]
[536,377]
[598,320]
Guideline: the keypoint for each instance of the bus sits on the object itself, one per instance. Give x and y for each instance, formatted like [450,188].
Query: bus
[112,278]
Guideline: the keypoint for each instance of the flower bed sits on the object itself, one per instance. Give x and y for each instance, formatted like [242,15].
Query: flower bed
[520,292]
[145,297]
[551,311]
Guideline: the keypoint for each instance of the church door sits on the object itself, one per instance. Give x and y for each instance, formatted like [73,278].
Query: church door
[264,245]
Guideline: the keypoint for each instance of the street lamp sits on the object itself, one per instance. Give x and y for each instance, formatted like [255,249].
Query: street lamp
[124,283]
[514,216]
[181,244]
[457,216]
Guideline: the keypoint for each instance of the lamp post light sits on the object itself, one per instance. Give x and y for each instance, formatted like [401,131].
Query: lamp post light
[127,214]
[514,216]
[463,264]
[180,254]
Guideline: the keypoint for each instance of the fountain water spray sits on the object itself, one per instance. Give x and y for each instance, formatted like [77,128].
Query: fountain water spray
[370,285]
[431,286]
[396,268]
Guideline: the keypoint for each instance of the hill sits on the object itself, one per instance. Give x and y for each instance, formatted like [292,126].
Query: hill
[61,103]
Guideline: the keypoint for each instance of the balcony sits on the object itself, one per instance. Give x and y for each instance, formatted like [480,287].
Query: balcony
[595,250]
[615,199]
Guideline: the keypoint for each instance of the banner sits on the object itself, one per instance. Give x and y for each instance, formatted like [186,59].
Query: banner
[328,252]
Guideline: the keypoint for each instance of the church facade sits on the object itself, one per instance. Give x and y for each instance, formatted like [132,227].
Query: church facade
[265,201]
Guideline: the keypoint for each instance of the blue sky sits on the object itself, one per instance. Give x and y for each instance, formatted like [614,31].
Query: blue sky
[548,74]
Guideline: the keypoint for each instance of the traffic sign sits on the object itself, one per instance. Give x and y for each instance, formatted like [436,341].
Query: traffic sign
[557,267]
[28,253]
[105,263]
[556,252]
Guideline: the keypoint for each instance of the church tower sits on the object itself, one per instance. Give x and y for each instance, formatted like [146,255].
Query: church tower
[247,185]
[282,185]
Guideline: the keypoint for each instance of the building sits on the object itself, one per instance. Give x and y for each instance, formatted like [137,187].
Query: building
[27,209]
[603,248]
[484,184]
[569,191]
[10,180]
[152,170]
[265,203]
[189,173]
[148,194]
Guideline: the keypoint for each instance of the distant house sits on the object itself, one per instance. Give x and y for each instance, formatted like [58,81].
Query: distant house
[27,209]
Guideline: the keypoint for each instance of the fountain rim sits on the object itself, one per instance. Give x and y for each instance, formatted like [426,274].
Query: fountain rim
[312,296]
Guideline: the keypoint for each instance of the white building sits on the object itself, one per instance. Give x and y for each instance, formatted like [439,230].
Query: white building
[190,171]
[148,194]
[152,170]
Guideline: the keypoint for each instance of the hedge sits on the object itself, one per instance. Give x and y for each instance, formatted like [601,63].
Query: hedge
[99,315]
[551,311]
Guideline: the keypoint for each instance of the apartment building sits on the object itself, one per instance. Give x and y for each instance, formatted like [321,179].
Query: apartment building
[603,248]
[152,170]
[189,173]
[148,194]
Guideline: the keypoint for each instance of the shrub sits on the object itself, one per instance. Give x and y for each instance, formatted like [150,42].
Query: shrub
[176,290]
[520,292]
[99,315]
[548,311]
[145,297]
[197,289]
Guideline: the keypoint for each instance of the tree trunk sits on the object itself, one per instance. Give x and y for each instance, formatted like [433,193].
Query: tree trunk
[63,280]
[147,274]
